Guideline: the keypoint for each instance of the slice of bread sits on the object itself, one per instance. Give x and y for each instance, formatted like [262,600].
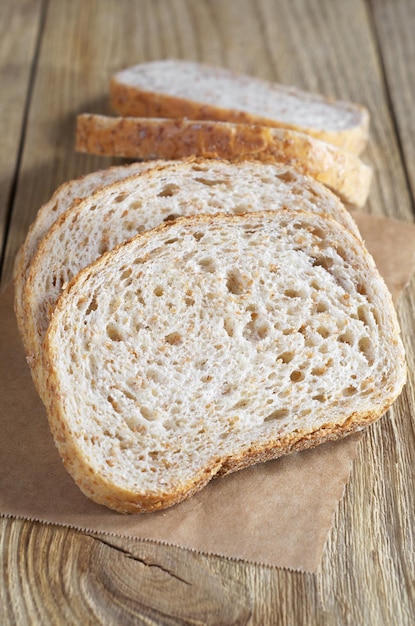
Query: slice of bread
[179,89]
[64,197]
[212,343]
[119,211]
[151,138]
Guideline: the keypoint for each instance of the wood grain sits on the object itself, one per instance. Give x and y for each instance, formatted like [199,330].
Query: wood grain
[394,27]
[353,50]
[20,22]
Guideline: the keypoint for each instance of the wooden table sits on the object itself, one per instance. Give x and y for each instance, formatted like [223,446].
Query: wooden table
[55,60]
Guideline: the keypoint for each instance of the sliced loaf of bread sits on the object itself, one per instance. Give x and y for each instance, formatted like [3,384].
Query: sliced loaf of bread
[119,211]
[185,89]
[212,343]
[151,138]
[64,197]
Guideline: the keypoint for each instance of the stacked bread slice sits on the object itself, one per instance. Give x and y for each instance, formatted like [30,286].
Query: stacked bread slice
[186,318]
[238,116]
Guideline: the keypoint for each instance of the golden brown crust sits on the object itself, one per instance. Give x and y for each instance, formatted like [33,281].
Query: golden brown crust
[129,101]
[148,138]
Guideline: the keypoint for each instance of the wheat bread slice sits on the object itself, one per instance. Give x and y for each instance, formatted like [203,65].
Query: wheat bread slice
[185,89]
[152,138]
[211,343]
[65,196]
[117,212]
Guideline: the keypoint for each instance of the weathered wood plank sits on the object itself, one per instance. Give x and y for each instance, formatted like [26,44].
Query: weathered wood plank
[394,25]
[20,21]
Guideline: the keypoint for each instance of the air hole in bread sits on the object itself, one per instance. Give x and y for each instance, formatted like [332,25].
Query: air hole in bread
[323,331]
[361,289]
[349,391]
[208,264]
[286,357]
[139,260]
[342,253]
[324,262]
[256,329]
[114,404]
[277,415]
[189,301]
[93,305]
[147,413]
[121,197]
[315,285]
[318,370]
[375,316]
[113,333]
[228,325]
[346,337]
[200,168]
[169,241]
[128,394]
[158,291]
[241,404]
[320,397]
[169,190]
[211,182]
[235,283]
[318,232]
[174,339]
[366,348]
[171,217]
[137,204]
[286,331]
[292,293]
[321,307]
[363,315]
[297,376]
[198,235]
[126,273]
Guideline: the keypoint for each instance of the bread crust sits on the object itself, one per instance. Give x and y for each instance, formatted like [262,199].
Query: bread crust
[152,138]
[129,100]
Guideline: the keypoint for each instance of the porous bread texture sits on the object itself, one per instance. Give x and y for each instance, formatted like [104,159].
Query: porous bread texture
[61,200]
[118,212]
[211,343]
[154,138]
[177,89]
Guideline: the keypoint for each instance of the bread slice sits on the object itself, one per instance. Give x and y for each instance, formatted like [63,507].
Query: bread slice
[64,197]
[119,211]
[152,138]
[212,343]
[177,89]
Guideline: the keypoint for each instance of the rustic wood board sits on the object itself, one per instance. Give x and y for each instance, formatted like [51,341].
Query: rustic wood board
[20,24]
[348,49]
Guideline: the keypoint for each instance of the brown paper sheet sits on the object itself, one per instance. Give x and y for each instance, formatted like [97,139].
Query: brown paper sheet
[278,513]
